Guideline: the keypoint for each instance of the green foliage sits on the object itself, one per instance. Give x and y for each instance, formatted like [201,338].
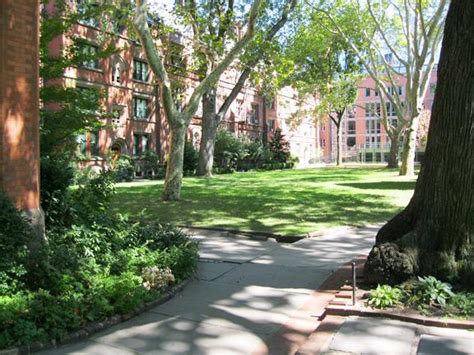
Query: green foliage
[150,161]
[14,235]
[240,153]
[462,303]
[57,174]
[280,147]
[190,159]
[385,296]
[431,292]
[123,168]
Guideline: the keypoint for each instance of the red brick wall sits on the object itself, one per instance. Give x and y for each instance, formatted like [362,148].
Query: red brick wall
[19,117]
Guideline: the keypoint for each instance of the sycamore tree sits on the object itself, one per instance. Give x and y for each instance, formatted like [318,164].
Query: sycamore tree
[399,47]
[213,112]
[326,68]
[179,118]
[434,234]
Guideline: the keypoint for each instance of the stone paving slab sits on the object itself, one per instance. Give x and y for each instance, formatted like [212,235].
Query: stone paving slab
[321,252]
[211,270]
[157,334]
[431,344]
[290,279]
[232,249]
[88,348]
[374,336]
[255,308]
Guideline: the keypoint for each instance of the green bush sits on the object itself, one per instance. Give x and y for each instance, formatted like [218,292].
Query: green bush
[190,159]
[431,292]
[385,296]
[123,168]
[57,174]
[463,304]
[14,236]
[150,163]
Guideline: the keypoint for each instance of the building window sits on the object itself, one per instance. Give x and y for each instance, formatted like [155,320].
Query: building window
[376,93]
[400,90]
[140,70]
[351,141]
[89,52]
[116,74]
[351,127]
[140,108]
[82,143]
[253,114]
[367,92]
[88,143]
[94,143]
[141,143]
[86,13]
[270,125]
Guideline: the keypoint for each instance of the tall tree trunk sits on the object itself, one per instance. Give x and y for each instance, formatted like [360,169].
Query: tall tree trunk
[339,144]
[407,167]
[318,142]
[433,235]
[394,149]
[210,123]
[174,168]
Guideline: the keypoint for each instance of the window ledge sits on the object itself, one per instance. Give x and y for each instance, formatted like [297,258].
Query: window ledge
[91,69]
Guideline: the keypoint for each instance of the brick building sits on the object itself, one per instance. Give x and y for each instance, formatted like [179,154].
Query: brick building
[364,137]
[139,123]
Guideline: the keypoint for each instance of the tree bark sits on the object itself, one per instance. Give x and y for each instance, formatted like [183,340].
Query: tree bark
[433,235]
[407,167]
[339,144]
[174,168]
[210,123]
[394,150]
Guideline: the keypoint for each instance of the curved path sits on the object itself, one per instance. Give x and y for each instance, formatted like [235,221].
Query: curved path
[248,297]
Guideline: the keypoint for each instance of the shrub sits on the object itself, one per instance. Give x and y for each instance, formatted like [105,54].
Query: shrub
[431,292]
[14,236]
[463,303]
[280,147]
[150,163]
[157,278]
[57,174]
[190,159]
[228,150]
[123,168]
[385,296]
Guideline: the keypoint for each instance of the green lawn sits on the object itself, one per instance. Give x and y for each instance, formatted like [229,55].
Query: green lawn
[289,202]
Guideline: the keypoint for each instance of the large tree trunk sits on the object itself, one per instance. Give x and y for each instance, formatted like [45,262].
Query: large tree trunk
[407,167]
[174,168]
[394,149]
[210,123]
[434,234]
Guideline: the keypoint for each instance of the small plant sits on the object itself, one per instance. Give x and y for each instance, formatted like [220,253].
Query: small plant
[157,278]
[431,292]
[463,303]
[385,296]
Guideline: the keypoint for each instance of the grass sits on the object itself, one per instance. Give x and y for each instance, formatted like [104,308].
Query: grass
[287,202]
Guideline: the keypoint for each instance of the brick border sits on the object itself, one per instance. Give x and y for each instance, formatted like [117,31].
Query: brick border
[95,327]
[310,316]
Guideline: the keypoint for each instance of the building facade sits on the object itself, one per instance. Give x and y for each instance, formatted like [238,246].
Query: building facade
[364,137]
[137,123]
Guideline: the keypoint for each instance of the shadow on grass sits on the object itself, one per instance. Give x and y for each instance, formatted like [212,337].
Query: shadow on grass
[382,185]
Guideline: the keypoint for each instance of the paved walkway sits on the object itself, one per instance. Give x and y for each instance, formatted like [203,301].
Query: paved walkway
[360,335]
[245,297]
